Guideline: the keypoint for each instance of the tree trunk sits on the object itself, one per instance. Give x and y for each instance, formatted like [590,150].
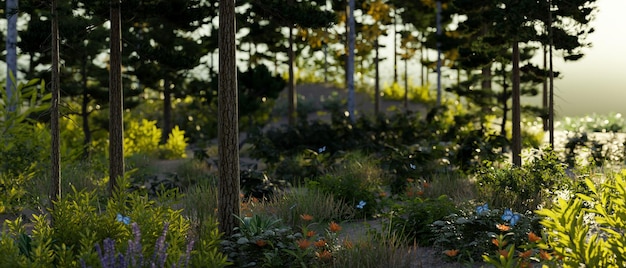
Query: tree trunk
[406,84]
[11,47]
[55,192]
[293,100]
[439,93]
[395,48]
[505,106]
[551,75]
[228,122]
[351,37]
[516,120]
[167,111]
[377,78]
[85,111]
[544,92]
[116,121]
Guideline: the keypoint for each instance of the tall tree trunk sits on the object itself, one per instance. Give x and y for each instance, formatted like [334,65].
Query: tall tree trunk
[516,120]
[544,92]
[351,40]
[116,121]
[167,111]
[228,122]
[55,192]
[293,96]
[406,84]
[551,76]
[439,93]
[395,47]
[85,111]
[11,47]
[505,105]
[377,78]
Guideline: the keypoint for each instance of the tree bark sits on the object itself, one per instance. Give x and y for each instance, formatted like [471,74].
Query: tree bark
[55,192]
[551,76]
[11,47]
[544,102]
[377,78]
[351,41]
[167,111]
[516,120]
[116,123]
[293,100]
[228,133]
[85,112]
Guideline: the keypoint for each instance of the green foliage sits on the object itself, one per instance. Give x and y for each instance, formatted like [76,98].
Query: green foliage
[588,229]
[143,137]
[412,219]
[357,178]
[176,145]
[81,221]
[593,123]
[525,188]
[472,232]
[418,94]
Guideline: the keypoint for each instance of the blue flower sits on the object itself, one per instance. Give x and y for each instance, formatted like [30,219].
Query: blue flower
[361,204]
[321,150]
[511,217]
[412,166]
[482,209]
[122,218]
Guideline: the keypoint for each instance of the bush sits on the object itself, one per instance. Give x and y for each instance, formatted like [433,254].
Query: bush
[143,137]
[588,230]
[357,180]
[412,219]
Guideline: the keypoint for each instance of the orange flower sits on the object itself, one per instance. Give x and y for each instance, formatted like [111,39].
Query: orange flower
[503,252]
[545,255]
[334,227]
[348,244]
[261,243]
[533,238]
[382,194]
[306,217]
[310,233]
[409,193]
[255,200]
[420,193]
[524,264]
[503,227]
[409,180]
[497,242]
[526,254]
[426,184]
[320,243]
[451,252]
[303,243]
[324,255]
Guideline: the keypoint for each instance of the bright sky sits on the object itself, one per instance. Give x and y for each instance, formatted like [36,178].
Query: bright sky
[597,82]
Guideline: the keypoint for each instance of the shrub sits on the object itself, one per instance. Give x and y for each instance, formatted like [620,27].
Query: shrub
[356,180]
[412,219]
[176,145]
[471,234]
[143,137]
[588,230]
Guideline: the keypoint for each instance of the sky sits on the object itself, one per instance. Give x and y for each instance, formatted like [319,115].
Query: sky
[597,82]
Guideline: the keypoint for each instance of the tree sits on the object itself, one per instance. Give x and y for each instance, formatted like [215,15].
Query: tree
[228,123]
[55,192]
[11,47]
[116,96]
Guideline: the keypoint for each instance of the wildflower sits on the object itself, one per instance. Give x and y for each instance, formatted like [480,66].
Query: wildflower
[511,217]
[533,238]
[503,227]
[526,254]
[409,180]
[524,264]
[348,244]
[361,204]
[482,209]
[310,233]
[123,219]
[503,252]
[451,252]
[545,255]
[425,184]
[412,166]
[303,243]
[334,227]
[324,255]
[261,243]
[320,243]
[306,217]
[420,193]
[382,194]
[497,242]
[321,150]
